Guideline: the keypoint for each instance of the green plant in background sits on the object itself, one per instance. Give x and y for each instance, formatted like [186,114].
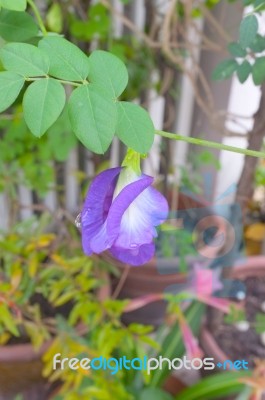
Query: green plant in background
[216,386]
[55,62]
[260,174]
[175,243]
[50,290]
[34,159]
[191,179]
[237,317]
[247,53]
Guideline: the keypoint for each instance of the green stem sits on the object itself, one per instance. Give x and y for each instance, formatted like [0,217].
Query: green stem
[59,80]
[38,17]
[213,145]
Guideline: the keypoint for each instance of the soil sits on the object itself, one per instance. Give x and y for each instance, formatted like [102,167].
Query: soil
[246,345]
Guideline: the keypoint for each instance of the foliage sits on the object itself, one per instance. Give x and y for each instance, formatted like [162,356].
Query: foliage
[175,242]
[215,387]
[49,289]
[99,80]
[260,174]
[247,52]
[20,151]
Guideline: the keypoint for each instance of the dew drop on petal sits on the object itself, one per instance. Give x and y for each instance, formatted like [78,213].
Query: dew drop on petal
[134,249]
[78,223]
[134,246]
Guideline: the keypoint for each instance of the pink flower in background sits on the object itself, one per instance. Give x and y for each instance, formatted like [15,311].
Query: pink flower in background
[204,283]
[191,343]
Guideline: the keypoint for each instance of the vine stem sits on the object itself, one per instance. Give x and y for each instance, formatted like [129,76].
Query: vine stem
[213,145]
[38,16]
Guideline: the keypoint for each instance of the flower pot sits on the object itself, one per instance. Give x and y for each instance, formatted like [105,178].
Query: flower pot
[251,267]
[21,372]
[173,385]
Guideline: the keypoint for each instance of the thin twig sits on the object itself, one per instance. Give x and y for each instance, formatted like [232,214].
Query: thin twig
[121,281]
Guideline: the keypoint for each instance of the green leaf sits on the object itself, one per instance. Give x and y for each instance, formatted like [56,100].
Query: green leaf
[43,102]
[154,394]
[258,45]
[55,18]
[235,315]
[243,71]
[258,71]
[24,59]
[248,30]
[109,71]
[67,61]
[259,5]
[245,394]
[10,87]
[224,70]
[135,128]
[7,319]
[17,26]
[215,386]
[61,138]
[93,117]
[236,50]
[96,26]
[15,5]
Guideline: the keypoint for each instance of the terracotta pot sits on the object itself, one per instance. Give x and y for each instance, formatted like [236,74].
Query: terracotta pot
[173,385]
[21,372]
[251,267]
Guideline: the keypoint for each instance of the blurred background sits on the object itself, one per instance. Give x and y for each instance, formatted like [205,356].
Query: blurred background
[183,59]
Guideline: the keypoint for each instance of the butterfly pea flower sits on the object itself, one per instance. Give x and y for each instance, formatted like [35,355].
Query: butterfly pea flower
[120,213]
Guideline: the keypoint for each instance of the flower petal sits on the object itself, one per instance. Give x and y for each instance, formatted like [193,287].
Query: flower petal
[138,256]
[97,204]
[190,341]
[111,228]
[204,281]
[143,301]
[219,303]
[137,224]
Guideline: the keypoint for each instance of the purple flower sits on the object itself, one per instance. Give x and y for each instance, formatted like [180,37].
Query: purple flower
[120,213]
